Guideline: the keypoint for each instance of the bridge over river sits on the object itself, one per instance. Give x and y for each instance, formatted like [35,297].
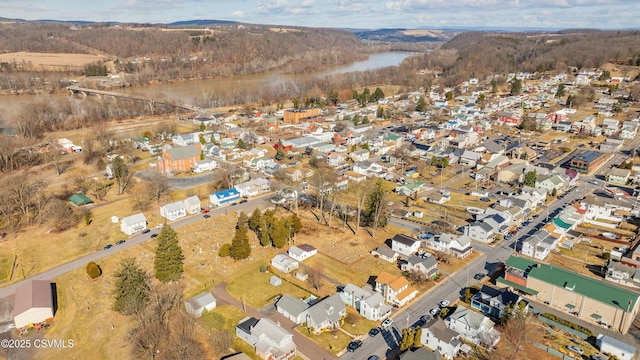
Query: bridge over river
[75,90]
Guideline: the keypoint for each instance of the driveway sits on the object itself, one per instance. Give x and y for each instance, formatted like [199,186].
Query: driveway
[305,347]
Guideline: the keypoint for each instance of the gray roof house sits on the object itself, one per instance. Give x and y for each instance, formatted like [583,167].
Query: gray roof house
[370,305]
[385,253]
[134,223]
[436,335]
[426,265]
[494,302]
[292,308]
[326,314]
[609,345]
[197,304]
[173,211]
[284,263]
[473,326]
[405,245]
[269,339]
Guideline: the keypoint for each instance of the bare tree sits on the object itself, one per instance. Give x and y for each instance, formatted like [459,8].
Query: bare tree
[315,277]
[158,185]
[323,181]
[360,190]
[221,341]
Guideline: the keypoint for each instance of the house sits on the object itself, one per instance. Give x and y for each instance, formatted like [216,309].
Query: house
[611,145]
[493,302]
[192,204]
[134,223]
[197,304]
[336,159]
[589,299]
[284,263]
[302,252]
[385,253]
[410,187]
[34,303]
[270,340]
[204,165]
[480,231]
[395,290]
[173,211]
[615,347]
[326,314]
[180,159]
[359,155]
[404,244]
[618,176]
[421,354]
[621,273]
[428,265]
[224,197]
[253,187]
[437,336]
[292,308]
[473,326]
[458,245]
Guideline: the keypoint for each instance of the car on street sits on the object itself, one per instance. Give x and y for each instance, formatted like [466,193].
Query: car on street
[434,312]
[424,318]
[575,349]
[354,345]
[598,357]
[485,199]
[154,235]
[375,331]
[120,242]
[243,201]
[478,276]
[207,216]
[444,303]
[373,357]
[206,211]
[159,226]
[108,246]
[387,322]
[146,231]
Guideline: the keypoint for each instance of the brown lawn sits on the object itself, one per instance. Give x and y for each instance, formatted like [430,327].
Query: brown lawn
[51,60]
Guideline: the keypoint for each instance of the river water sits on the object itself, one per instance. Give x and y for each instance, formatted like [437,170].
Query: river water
[188,91]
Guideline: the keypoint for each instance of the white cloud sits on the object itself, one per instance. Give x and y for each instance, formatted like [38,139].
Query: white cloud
[237,14]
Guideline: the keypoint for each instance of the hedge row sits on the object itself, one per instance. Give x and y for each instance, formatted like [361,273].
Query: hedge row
[567,323]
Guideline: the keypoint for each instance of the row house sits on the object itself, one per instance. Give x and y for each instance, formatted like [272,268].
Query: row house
[458,245]
[370,305]
[173,211]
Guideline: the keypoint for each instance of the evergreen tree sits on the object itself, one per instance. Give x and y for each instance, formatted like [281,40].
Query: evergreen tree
[243,220]
[407,339]
[203,127]
[378,94]
[240,248]
[530,178]
[279,234]
[240,144]
[132,287]
[202,139]
[365,120]
[416,338]
[169,258]
[376,210]
[365,146]
[280,153]
[255,219]
[294,223]
[516,87]
[380,112]
[121,173]
[422,105]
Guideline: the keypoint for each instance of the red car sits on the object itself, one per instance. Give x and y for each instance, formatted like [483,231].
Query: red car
[205,211]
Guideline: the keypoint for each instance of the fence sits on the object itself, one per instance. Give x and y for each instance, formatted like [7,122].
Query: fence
[563,328]
[553,352]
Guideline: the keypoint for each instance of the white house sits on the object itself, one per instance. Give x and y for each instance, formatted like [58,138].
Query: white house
[292,308]
[284,263]
[609,345]
[458,245]
[385,253]
[359,155]
[326,314]
[33,303]
[437,336]
[404,244]
[473,326]
[253,187]
[480,231]
[204,165]
[197,304]
[370,305]
[270,340]
[302,252]
[192,204]
[395,290]
[224,197]
[134,223]
[173,211]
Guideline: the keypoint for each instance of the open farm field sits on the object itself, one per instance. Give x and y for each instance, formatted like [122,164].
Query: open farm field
[51,60]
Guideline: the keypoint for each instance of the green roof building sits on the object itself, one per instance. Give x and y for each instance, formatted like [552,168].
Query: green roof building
[587,298]
[80,199]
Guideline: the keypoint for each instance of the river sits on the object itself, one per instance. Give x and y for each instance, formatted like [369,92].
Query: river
[188,91]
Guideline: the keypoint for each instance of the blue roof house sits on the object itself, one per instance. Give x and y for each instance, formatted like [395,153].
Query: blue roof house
[224,197]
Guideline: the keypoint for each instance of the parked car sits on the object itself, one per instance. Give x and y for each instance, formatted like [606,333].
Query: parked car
[424,318]
[207,216]
[120,242]
[154,235]
[478,276]
[375,331]
[387,322]
[373,357]
[108,246]
[146,231]
[434,312]
[444,303]
[243,201]
[575,349]
[354,345]
[159,226]
[205,211]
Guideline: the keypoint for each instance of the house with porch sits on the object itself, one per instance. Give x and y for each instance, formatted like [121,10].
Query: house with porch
[326,314]
[134,223]
[426,265]
[458,245]
[173,211]
[385,253]
[437,336]
[494,302]
[224,197]
[270,340]
[404,244]
[368,304]
[395,290]
[192,204]
[473,326]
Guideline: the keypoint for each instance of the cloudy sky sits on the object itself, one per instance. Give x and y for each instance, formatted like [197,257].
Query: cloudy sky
[602,14]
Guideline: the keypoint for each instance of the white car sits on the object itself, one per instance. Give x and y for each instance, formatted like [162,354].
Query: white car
[444,303]
[387,322]
[434,312]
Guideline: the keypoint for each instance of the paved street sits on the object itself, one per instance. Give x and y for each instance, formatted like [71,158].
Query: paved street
[249,206]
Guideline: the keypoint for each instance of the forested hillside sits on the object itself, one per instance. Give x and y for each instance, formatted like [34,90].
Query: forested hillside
[482,53]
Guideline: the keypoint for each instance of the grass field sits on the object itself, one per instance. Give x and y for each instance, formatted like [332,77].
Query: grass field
[334,341]
[7,262]
[50,60]
[357,272]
